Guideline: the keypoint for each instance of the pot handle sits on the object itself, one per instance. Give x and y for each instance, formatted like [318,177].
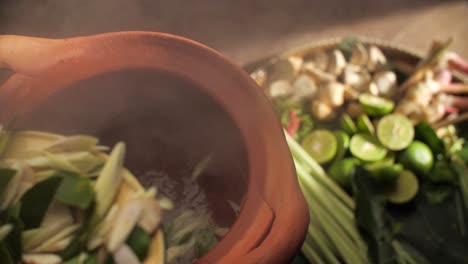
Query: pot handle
[28,55]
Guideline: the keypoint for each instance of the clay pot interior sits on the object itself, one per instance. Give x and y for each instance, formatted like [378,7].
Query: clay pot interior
[168,126]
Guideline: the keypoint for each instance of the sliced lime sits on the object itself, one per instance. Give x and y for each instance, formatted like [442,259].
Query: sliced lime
[375,105]
[347,124]
[321,145]
[342,140]
[406,188]
[365,125]
[341,171]
[366,148]
[395,131]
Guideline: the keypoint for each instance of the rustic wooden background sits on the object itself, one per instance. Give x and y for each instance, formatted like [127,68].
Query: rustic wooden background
[245,30]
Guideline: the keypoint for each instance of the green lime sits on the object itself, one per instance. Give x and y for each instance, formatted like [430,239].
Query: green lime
[375,105]
[342,140]
[405,189]
[366,148]
[364,124]
[347,124]
[341,171]
[417,157]
[321,145]
[395,131]
[384,173]
[425,133]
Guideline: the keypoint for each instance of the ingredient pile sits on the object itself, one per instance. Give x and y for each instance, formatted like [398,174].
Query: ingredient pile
[374,140]
[68,202]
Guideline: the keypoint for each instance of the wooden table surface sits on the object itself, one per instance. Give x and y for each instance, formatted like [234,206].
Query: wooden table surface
[246,30]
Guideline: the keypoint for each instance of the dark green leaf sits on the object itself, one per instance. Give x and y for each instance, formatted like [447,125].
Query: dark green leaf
[14,239]
[305,127]
[425,133]
[441,172]
[109,260]
[74,248]
[92,259]
[36,201]
[407,251]
[75,190]
[139,241]
[5,254]
[346,46]
[436,193]
[463,154]
[75,260]
[5,176]
[373,222]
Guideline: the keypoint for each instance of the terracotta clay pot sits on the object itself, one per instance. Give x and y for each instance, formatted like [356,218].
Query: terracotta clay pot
[173,101]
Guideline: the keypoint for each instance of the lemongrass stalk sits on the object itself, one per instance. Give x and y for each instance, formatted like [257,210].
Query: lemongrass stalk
[335,203]
[345,247]
[315,235]
[311,255]
[343,216]
[320,174]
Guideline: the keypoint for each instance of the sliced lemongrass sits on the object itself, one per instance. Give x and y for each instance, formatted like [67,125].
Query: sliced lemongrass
[73,144]
[108,182]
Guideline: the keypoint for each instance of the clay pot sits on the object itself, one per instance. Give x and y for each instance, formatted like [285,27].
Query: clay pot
[173,101]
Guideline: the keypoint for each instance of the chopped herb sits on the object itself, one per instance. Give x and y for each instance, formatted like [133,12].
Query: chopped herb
[74,190]
[36,201]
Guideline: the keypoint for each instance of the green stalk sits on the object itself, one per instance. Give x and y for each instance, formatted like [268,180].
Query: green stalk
[337,204]
[315,235]
[310,254]
[343,216]
[319,173]
[348,250]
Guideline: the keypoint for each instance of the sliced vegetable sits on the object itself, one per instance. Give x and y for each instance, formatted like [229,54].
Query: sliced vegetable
[139,241]
[395,131]
[36,200]
[109,180]
[126,219]
[75,190]
[321,145]
[5,254]
[406,188]
[364,125]
[41,259]
[73,144]
[342,140]
[5,230]
[124,255]
[347,124]
[5,177]
[375,105]
[367,148]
